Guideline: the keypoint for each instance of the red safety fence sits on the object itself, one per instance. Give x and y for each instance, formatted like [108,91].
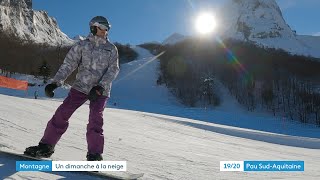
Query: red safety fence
[13,83]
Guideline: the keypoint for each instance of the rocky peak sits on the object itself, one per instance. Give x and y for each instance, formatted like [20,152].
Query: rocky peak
[261,22]
[17,17]
[250,19]
[17,3]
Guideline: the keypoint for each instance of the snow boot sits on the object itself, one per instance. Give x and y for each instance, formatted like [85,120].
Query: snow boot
[94,157]
[42,150]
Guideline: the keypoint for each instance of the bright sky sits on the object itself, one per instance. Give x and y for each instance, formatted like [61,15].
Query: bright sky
[139,21]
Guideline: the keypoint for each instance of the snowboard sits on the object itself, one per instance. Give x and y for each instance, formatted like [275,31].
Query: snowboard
[104,175]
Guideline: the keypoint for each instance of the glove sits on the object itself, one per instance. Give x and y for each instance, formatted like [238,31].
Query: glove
[95,93]
[49,89]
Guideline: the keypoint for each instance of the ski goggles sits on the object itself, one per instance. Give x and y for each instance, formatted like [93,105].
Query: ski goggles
[103,26]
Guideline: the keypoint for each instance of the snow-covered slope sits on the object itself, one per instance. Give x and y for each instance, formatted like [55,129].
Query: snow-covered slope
[174,38]
[261,22]
[163,147]
[311,42]
[136,83]
[17,17]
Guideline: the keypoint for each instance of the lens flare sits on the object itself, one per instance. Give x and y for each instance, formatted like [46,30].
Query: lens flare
[205,23]
[245,75]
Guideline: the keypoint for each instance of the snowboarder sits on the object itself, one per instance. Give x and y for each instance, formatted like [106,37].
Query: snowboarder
[97,60]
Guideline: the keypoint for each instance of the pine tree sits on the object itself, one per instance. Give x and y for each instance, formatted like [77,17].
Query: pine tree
[44,71]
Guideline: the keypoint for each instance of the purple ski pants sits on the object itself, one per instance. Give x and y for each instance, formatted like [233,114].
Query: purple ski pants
[60,121]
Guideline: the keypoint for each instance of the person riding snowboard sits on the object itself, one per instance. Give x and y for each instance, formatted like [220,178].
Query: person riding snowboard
[97,61]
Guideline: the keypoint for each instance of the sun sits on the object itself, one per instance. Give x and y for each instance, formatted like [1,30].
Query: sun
[205,23]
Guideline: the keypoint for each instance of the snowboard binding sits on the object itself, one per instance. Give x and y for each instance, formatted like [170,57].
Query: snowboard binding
[42,150]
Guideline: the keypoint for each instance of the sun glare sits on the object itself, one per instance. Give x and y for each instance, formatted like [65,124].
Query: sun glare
[205,23]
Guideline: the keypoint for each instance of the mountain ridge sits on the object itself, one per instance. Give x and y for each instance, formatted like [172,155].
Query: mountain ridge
[262,22]
[17,17]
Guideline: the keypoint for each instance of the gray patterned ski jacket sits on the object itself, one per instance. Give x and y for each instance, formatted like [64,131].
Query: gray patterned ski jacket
[97,60]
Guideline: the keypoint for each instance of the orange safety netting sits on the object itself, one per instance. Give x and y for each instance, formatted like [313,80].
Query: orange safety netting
[13,83]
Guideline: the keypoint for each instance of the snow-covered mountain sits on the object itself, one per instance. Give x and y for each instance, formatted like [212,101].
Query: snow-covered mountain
[261,22]
[79,37]
[18,17]
[174,38]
